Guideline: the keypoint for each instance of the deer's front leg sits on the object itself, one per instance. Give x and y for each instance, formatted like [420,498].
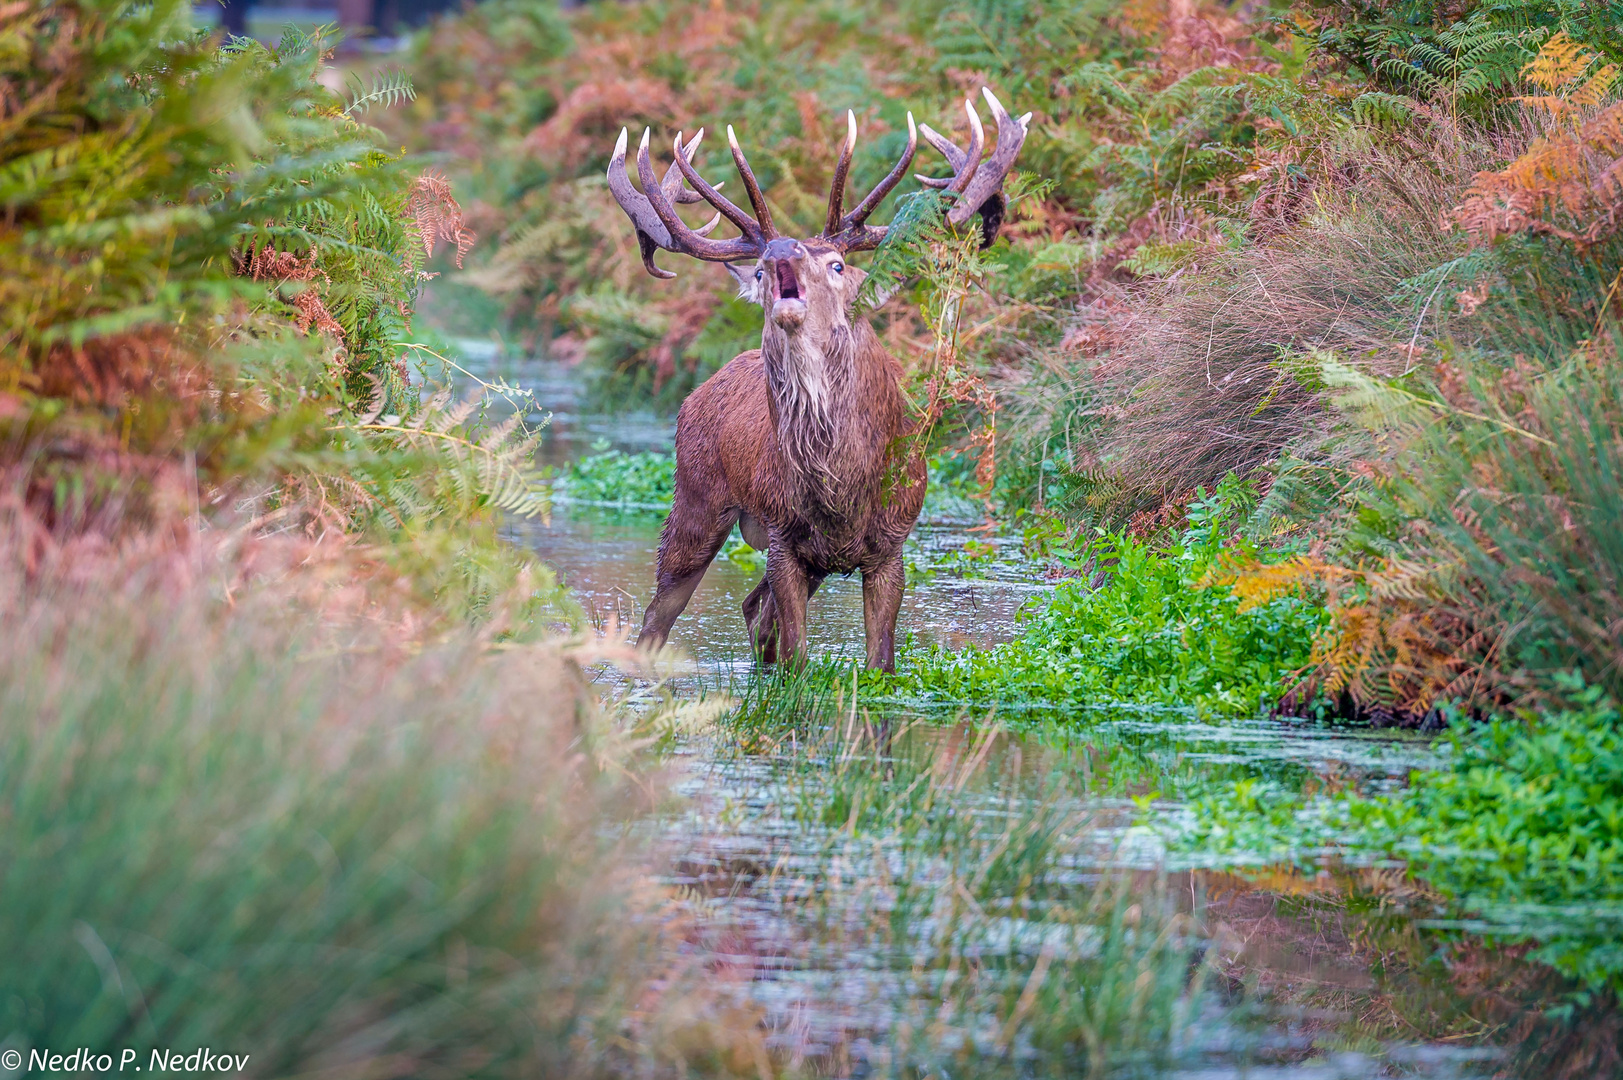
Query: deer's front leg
[881,602]
[791,586]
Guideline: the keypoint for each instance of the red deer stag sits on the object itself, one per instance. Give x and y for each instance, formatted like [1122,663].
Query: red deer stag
[800,442]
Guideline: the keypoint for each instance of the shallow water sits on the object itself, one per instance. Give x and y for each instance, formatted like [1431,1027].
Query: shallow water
[758,872]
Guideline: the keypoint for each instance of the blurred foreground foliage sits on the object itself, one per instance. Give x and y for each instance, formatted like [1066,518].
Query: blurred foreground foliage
[209,267]
[299,827]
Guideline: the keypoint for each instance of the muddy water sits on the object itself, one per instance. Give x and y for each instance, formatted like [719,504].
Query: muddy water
[833,996]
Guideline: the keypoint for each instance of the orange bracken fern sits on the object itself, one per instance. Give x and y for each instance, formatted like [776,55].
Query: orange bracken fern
[1569,183]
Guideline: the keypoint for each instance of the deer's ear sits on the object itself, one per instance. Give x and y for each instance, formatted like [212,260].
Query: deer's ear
[748,288]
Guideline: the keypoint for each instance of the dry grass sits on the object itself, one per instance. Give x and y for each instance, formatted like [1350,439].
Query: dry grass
[1215,371]
[257,799]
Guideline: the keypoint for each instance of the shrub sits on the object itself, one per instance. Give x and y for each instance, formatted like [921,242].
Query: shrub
[1480,546]
[1461,56]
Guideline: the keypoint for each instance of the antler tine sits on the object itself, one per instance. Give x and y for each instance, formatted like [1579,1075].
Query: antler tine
[681,238]
[972,157]
[746,224]
[887,185]
[652,234]
[763,214]
[671,183]
[836,187]
[988,181]
[963,163]
[955,157]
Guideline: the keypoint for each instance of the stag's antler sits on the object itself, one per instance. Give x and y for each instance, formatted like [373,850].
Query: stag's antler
[979,185]
[653,209]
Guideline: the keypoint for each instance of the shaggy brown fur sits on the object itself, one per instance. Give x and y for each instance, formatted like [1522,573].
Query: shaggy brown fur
[800,443]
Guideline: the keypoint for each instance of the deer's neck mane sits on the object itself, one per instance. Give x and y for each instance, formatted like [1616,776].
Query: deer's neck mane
[826,413]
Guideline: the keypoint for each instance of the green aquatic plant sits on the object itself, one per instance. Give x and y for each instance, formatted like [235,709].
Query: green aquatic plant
[643,481]
[1153,632]
[1524,828]
[1519,829]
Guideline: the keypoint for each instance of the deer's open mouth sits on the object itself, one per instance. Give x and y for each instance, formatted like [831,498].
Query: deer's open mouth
[788,284]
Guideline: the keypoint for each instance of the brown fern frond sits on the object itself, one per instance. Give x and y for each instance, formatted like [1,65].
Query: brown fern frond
[265,263]
[436,215]
[1568,185]
[1393,642]
[312,312]
[1593,92]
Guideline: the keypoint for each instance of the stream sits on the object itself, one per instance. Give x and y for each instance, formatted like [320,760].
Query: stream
[798,915]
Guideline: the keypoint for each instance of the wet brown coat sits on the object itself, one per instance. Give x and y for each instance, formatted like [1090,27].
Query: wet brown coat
[845,504]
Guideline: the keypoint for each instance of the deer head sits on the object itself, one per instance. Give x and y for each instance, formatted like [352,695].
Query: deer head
[810,341]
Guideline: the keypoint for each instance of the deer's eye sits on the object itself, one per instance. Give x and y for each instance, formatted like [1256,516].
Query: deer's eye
[837,266]
[758,274]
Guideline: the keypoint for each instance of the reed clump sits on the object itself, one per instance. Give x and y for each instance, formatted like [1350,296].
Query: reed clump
[283,815]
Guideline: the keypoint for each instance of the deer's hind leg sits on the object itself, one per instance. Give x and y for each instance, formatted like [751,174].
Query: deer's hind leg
[761,616]
[692,535]
[761,620]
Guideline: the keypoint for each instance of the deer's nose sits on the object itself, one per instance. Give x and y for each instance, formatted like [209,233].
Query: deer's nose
[779,259]
[783,248]
[788,308]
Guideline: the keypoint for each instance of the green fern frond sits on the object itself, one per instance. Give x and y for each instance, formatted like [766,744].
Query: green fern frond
[1382,110]
[388,89]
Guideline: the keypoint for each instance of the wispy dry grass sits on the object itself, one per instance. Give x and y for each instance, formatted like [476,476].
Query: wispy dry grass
[1216,371]
[257,800]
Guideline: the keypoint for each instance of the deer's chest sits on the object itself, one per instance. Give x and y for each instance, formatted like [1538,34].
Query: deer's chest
[831,534]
